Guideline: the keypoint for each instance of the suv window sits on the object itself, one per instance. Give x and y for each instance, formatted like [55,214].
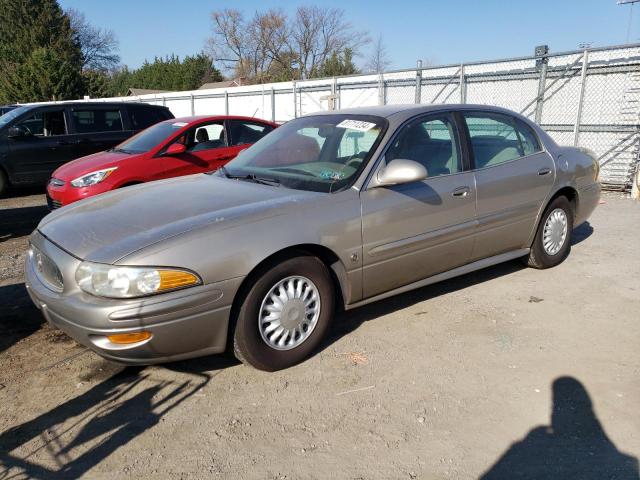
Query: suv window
[46,124]
[430,141]
[143,117]
[88,121]
[495,139]
[243,133]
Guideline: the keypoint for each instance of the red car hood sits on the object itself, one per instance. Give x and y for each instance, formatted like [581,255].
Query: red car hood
[91,163]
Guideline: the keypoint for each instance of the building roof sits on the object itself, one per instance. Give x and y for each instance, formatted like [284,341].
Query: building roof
[223,84]
[134,92]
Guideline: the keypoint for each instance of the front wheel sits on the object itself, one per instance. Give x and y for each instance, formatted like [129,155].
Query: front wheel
[553,238]
[285,314]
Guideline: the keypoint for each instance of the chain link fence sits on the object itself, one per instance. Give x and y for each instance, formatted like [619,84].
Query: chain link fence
[588,98]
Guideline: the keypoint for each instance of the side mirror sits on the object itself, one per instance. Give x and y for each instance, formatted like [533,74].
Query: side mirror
[400,171]
[175,149]
[18,131]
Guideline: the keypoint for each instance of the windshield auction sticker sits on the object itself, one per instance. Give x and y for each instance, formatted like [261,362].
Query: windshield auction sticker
[356,125]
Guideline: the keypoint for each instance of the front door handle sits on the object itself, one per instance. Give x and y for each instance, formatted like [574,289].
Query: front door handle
[544,171]
[461,192]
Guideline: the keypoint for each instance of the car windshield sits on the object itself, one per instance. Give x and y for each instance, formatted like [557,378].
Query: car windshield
[150,138]
[10,115]
[321,153]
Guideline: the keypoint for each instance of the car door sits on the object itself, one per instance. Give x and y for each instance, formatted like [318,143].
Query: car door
[513,176]
[96,128]
[48,144]
[244,133]
[416,230]
[207,150]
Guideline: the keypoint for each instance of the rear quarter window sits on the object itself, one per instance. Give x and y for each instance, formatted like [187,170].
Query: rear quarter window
[143,117]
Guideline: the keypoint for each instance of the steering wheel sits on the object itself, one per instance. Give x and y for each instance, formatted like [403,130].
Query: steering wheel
[355,160]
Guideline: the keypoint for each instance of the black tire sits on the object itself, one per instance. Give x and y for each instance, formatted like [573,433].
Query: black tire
[538,257]
[4,183]
[248,344]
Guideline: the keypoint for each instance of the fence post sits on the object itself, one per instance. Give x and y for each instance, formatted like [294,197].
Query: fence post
[463,85]
[583,81]
[226,102]
[193,107]
[542,61]
[273,105]
[334,94]
[418,82]
[381,89]
[295,101]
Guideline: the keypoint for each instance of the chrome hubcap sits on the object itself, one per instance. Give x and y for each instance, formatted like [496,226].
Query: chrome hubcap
[289,313]
[554,233]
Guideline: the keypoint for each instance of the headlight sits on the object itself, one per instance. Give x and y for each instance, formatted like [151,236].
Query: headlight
[92,178]
[129,282]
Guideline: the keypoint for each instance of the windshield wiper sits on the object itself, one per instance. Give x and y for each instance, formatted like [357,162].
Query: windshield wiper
[120,150]
[251,177]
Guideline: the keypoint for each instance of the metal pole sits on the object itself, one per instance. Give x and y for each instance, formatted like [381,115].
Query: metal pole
[541,89]
[193,106]
[226,102]
[334,96]
[419,82]
[583,81]
[295,101]
[273,105]
[380,89]
[463,86]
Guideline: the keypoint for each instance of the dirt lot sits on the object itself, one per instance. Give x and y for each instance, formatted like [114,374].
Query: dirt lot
[508,372]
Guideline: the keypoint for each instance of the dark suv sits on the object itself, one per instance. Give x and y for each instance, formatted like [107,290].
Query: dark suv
[37,139]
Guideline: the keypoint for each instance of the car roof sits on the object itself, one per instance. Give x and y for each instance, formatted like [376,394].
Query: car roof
[90,104]
[201,118]
[387,111]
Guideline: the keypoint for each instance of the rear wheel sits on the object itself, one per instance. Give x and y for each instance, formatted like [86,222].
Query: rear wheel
[553,238]
[4,183]
[285,314]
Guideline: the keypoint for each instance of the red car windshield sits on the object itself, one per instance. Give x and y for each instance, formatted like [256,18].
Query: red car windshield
[150,138]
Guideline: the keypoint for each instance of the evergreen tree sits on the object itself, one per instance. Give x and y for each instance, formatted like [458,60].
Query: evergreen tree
[337,64]
[40,58]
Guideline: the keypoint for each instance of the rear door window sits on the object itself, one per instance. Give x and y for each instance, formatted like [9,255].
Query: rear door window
[497,138]
[244,133]
[97,120]
[143,117]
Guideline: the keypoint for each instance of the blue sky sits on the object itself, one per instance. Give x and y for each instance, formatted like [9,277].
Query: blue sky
[444,31]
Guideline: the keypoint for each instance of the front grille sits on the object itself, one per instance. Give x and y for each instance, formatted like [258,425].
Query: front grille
[53,204]
[46,270]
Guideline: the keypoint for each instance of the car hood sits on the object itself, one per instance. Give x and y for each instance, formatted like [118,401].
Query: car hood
[108,227]
[91,163]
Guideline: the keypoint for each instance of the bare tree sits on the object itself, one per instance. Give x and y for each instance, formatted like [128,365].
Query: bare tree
[99,46]
[317,33]
[379,61]
[271,46]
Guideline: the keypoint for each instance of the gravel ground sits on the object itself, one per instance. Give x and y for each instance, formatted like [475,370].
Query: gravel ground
[505,373]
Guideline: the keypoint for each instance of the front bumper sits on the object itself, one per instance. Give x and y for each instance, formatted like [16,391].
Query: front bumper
[184,324]
[61,195]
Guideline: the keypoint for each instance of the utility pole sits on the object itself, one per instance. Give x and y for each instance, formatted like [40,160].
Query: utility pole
[630,3]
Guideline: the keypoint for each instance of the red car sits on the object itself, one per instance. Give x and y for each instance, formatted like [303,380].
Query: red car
[175,147]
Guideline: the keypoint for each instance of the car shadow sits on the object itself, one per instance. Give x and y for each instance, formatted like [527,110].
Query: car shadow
[21,221]
[70,439]
[348,321]
[19,317]
[574,445]
[581,233]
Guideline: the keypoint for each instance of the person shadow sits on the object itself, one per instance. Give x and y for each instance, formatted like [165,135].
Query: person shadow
[574,446]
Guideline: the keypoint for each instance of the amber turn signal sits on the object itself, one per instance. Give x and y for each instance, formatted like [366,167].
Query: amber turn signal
[126,338]
[172,279]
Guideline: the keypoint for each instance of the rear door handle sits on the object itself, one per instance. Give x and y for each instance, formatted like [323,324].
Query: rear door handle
[544,171]
[461,192]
